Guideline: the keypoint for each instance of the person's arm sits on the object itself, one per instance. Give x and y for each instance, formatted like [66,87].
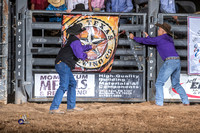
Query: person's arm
[64,8]
[108,5]
[49,7]
[86,47]
[33,8]
[70,5]
[90,5]
[129,5]
[78,50]
[86,4]
[167,6]
[147,40]
[66,4]
[105,1]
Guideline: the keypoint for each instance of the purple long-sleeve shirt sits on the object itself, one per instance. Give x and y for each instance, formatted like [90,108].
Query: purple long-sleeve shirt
[164,45]
[79,49]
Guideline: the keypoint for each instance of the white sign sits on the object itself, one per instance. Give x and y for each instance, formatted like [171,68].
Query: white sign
[191,84]
[194,45]
[45,85]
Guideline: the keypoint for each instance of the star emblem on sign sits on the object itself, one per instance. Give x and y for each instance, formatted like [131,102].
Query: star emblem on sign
[94,37]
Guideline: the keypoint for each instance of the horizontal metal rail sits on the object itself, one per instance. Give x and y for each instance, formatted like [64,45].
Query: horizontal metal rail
[51,62]
[58,40]
[180,42]
[54,51]
[43,12]
[57,25]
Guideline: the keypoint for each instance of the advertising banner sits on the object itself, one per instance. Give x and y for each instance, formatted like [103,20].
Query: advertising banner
[194,45]
[191,84]
[98,86]
[47,84]
[101,31]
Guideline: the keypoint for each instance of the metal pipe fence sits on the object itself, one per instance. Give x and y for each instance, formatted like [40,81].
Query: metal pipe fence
[38,50]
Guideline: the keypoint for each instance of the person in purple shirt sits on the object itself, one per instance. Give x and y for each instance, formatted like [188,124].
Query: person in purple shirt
[64,63]
[171,67]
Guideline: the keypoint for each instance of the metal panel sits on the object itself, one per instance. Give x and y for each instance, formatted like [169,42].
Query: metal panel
[151,67]
[20,93]
[42,49]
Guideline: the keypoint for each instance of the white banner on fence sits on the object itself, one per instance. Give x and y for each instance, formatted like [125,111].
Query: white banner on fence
[194,45]
[191,84]
[45,85]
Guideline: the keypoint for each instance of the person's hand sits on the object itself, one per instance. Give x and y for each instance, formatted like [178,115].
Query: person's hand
[68,11]
[131,36]
[94,46]
[86,60]
[176,19]
[33,19]
[146,35]
[58,14]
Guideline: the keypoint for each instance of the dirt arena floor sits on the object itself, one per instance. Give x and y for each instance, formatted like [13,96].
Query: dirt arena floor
[102,118]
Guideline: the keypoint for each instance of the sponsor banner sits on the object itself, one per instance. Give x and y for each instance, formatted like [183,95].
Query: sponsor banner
[124,86]
[191,84]
[101,31]
[47,84]
[121,85]
[194,45]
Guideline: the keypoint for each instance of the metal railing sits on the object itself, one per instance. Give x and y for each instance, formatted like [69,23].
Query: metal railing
[41,48]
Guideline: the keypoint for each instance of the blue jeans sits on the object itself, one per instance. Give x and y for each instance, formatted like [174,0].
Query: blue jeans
[170,68]
[67,83]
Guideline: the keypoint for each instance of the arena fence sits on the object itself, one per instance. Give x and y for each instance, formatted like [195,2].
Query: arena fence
[38,50]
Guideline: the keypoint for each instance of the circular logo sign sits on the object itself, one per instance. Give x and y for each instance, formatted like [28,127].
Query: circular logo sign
[101,34]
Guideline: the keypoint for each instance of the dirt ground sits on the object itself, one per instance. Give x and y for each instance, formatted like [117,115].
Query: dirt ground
[102,117]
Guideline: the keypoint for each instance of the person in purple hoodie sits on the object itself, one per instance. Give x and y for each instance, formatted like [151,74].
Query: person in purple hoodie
[171,68]
[64,63]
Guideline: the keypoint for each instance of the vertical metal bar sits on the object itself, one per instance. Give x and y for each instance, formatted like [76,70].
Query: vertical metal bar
[20,93]
[28,71]
[144,60]
[151,70]
[1,15]
[158,58]
[4,52]
[11,51]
